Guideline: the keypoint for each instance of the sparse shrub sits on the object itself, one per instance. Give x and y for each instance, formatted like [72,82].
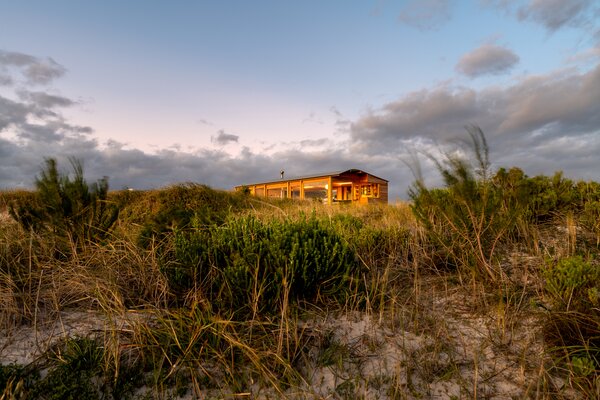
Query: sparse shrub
[74,365]
[214,352]
[465,219]
[66,206]
[14,381]
[591,218]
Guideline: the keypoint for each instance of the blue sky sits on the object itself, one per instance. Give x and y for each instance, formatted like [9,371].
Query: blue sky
[152,93]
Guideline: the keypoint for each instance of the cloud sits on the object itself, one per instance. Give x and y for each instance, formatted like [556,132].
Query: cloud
[5,80]
[555,14]
[45,100]
[489,59]
[204,122]
[530,120]
[312,118]
[540,123]
[35,70]
[35,115]
[426,14]
[551,14]
[224,138]
[314,142]
[37,120]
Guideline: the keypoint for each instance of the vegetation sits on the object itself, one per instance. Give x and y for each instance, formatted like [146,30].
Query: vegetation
[66,207]
[247,265]
[188,291]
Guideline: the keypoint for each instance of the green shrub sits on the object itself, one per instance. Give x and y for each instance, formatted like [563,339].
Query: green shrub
[541,198]
[162,212]
[590,218]
[573,325]
[66,206]
[248,263]
[573,284]
[74,365]
[465,220]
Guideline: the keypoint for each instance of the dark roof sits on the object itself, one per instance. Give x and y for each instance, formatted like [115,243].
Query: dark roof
[320,175]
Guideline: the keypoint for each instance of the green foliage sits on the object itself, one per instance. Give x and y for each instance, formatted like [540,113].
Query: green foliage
[541,198]
[573,284]
[13,375]
[173,209]
[212,352]
[75,369]
[590,215]
[475,212]
[463,219]
[583,366]
[67,206]
[186,336]
[248,263]
[74,365]
[573,324]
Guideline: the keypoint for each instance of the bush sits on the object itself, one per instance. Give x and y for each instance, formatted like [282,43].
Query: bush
[162,212]
[573,284]
[573,325]
[67,207]
[247,264]
[465,220]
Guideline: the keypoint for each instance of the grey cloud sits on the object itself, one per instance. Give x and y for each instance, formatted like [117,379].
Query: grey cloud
[314,142]
[426,14]
[551,14]
[224,138]
[15,116]
[35,70]
[45,133]
[24,145]
[12,113]
[45,100]
[20,162]
[487,59]
[542,123]
[531,120]
[554,14]
[5,80]
[204,122]
[336,112]
[341,123]
[32,115]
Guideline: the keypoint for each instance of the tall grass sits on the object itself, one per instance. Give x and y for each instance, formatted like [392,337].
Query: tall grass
[209,293]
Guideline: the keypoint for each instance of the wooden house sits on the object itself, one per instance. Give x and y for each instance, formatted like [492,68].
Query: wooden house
[351,186]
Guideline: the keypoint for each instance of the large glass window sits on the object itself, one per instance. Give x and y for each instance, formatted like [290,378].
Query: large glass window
[295,191]
[342,193]
[280,192]
[315,190]
[370,190]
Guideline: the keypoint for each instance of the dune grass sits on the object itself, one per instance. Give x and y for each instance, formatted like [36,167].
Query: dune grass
[485,288]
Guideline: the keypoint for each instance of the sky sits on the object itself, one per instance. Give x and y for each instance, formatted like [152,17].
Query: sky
[154,93]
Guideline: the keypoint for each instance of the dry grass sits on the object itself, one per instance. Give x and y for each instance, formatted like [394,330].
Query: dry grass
[416,331]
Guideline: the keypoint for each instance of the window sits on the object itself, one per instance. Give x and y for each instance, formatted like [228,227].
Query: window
[280,192]
[370,190]
[295,191]
[315,190]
